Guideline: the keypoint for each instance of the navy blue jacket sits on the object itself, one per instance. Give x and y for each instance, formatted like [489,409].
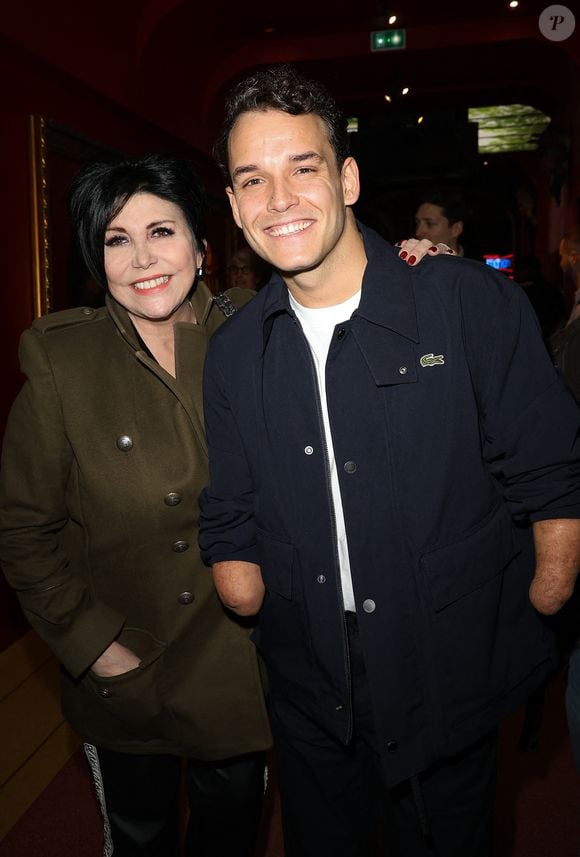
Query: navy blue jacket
[452,431]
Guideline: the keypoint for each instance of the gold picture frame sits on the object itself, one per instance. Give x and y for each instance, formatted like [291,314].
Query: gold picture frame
[60,279]
[39,216]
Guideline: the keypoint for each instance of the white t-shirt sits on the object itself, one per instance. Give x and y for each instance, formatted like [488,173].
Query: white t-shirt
[318,325]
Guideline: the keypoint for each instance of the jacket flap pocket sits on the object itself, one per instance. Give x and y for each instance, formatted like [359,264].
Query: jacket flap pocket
[276,561]
[462,567]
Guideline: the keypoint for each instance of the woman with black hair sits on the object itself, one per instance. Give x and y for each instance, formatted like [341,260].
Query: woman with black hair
[104,459]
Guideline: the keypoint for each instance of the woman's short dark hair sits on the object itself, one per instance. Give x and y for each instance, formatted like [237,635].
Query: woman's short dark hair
[280,87]
[102,187]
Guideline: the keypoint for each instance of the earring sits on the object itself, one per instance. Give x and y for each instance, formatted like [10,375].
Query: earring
[199,271]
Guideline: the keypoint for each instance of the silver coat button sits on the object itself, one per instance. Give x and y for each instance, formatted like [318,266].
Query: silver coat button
[172,499]
[86,310]
[321,579]
[350,466]
[308,450]
[180,546]
[105,692]
[185,597]
[369,605]
[403,370]
[124,443]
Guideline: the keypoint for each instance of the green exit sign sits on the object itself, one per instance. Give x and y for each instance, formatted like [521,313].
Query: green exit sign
[388,40]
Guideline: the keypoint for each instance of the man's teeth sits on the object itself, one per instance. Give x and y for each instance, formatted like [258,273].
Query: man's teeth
[289,228]
[150,284]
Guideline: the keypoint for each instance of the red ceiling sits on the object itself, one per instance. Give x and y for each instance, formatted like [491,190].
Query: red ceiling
[173,60]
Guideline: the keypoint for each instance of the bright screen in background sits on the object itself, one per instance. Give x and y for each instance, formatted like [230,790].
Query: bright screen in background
[505,264]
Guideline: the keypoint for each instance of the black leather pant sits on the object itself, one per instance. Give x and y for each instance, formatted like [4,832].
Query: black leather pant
[143,798]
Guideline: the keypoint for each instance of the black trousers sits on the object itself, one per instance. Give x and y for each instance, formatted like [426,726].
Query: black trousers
[141,799]
[334,802]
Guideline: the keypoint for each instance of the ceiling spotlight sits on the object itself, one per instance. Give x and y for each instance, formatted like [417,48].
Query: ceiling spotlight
[514,4]
[420,120]
[405,90]
[393,19]
[388,98]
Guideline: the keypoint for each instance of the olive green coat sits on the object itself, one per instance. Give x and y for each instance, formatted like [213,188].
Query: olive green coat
[104,458]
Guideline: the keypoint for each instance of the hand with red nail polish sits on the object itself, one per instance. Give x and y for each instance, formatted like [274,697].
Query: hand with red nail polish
[414,249]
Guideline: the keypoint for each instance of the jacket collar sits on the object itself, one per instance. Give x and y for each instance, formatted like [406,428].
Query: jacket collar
[387,297]
[122,322]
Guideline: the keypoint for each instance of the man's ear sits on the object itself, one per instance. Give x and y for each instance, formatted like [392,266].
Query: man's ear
[457,228]
[350,181]
[234,206]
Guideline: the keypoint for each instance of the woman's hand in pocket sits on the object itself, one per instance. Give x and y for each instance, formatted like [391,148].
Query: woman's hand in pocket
[115,660]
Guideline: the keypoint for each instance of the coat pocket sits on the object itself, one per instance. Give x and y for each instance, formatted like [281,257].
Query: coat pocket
[483,636]
[457,569]
[277,563]
[134,698]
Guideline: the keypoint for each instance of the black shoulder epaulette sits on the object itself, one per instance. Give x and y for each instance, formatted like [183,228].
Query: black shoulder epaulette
[225,304]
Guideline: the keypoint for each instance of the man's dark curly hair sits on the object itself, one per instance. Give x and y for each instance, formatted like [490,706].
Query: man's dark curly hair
[280,87]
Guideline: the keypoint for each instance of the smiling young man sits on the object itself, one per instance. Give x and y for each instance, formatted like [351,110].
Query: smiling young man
[381,462]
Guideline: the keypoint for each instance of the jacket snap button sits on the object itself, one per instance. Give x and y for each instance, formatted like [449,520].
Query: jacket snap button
[86,310]
[350,466]
[180,546]
[105,692]
[321,579]
[392,746]
[124,443]
[341,333]
[403,370]
[185,597]
[172,499]
[339,708]
[308,450]
[369,605]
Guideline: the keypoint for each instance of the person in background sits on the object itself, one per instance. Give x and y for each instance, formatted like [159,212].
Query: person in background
[547,300]
[382,463]
[440,217]
[104,456]
[565,342]
[246,270]
[565,349]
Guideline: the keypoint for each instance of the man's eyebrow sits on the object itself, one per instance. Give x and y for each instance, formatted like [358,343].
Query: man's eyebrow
[307,156]
[299,157]
[247,168]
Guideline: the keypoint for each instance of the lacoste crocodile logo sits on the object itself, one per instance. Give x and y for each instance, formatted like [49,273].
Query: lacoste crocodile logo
[432,360]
